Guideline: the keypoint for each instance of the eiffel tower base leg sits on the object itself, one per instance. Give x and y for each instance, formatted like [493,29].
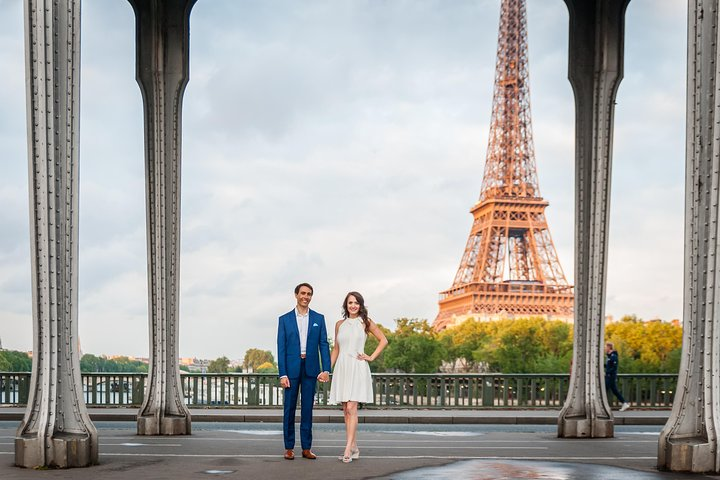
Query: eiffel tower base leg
[65,450]
[586,428]
[165,425]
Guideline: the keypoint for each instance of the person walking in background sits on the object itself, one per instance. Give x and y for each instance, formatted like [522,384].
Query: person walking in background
[611,370]
[351,381]
[302,344]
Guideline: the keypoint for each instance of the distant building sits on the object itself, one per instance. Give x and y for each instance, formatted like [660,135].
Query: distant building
[187,361]
[144,360]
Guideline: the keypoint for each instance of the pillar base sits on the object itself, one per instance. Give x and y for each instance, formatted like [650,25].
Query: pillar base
[694,454]
[585,428]
[67,450]
[165,425]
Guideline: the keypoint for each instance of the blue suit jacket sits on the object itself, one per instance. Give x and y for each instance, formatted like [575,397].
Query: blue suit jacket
[317,348]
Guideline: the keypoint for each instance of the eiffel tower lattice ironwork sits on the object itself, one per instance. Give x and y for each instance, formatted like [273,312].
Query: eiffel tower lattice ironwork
[510,266]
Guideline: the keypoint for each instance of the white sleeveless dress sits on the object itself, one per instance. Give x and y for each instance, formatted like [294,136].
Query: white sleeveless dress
[351,380]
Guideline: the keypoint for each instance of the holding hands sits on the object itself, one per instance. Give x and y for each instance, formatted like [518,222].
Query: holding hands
[324,377]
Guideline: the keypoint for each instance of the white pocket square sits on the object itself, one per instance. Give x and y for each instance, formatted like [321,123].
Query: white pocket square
[315,324]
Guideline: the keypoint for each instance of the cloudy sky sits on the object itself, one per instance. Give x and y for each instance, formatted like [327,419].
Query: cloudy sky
[340,143]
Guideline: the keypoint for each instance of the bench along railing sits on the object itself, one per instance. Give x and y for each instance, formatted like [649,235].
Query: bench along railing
[461,391]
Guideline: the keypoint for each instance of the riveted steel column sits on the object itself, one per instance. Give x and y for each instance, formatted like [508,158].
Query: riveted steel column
[689,440]
[162,73]
[596,54]
[56,430]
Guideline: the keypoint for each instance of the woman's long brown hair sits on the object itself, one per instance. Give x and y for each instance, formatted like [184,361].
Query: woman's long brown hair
[363,313]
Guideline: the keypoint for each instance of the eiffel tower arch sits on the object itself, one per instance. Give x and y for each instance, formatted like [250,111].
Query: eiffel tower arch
[510,266]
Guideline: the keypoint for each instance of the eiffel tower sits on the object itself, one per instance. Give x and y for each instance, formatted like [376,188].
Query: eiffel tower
[510,267]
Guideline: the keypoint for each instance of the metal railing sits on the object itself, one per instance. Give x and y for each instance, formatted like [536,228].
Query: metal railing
[460,391]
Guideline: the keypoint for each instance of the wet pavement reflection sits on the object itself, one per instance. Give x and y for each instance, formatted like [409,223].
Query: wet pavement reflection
[520,470]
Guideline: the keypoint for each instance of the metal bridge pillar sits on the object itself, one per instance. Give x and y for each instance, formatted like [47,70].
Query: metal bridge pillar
[163,28]
[596,59]
[689,440]
[56,430]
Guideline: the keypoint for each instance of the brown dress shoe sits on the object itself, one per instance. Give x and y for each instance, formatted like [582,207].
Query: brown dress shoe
[289,455]
[309,455]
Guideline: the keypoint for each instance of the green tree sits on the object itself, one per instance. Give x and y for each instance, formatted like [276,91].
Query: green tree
[14,361]
[255,357]
[377,365]
[672,362]
[92,363]
[514,348]
[414,347]
[219,365]
[126,365]
[526,345]
[461,343]
[646,346]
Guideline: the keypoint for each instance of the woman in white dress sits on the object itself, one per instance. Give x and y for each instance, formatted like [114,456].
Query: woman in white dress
[351,380]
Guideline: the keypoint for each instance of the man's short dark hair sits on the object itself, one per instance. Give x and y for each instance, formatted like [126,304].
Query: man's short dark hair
[297,289]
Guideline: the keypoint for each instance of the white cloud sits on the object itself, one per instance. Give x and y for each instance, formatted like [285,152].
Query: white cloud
[340,143]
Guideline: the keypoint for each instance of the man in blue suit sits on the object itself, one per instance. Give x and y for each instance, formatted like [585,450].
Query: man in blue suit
[302,345]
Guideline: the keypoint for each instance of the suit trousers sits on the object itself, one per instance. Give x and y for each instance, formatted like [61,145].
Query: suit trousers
[305,385]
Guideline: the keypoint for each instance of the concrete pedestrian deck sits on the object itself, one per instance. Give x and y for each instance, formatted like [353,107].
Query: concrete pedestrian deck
[371,415]
[394,444]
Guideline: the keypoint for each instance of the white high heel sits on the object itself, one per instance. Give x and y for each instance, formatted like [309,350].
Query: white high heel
[355,454]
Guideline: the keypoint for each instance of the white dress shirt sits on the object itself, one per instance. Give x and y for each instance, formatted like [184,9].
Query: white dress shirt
[302,323]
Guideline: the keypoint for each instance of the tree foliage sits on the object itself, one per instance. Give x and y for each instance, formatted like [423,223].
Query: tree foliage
[646,347]
[525,345]
[534,345]
[267,367]
[377,365]
[100,364]
[414,348]
[529,345]
[255,358]
[219,365]
[461,343]
[14,361]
